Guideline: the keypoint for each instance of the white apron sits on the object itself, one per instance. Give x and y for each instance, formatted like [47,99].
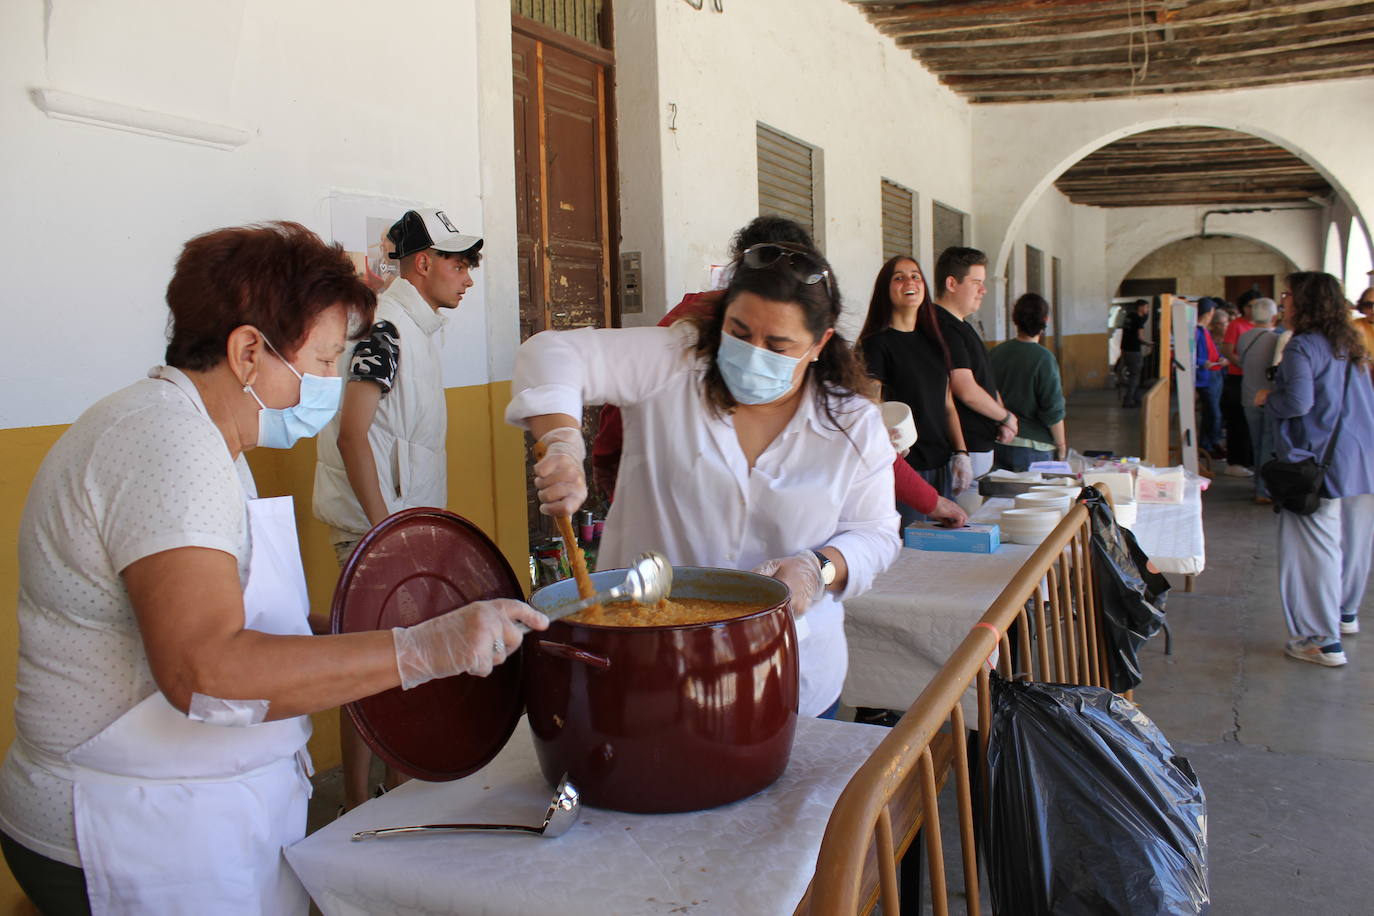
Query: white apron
[177,816]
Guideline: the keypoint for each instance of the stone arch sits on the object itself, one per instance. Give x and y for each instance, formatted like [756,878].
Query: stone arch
[1115,275]
[1124,251]
[1068,157]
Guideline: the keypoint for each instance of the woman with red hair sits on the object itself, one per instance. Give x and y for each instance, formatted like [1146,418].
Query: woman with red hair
[166,669]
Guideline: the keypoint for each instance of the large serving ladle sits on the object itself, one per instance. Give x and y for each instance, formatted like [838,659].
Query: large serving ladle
[564,810]
[648,581]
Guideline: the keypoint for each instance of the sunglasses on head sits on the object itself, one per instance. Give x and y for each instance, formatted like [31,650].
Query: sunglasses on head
[803,264]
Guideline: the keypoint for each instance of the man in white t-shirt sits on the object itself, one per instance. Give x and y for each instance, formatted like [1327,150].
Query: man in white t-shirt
[386,449]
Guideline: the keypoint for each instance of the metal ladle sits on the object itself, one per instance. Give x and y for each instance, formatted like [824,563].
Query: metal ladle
[564,810]
[648,581]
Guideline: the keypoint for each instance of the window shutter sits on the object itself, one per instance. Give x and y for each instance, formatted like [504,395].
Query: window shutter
[899,235]
[948,227]
[787,178]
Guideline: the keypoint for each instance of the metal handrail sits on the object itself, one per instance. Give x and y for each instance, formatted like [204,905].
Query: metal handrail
[1054,600]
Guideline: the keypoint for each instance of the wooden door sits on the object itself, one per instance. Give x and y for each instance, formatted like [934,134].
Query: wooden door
[562,186]
[1237,286]
[564,191]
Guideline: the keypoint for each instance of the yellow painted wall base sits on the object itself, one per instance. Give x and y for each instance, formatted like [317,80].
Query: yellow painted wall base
[486,486]
[1083,362]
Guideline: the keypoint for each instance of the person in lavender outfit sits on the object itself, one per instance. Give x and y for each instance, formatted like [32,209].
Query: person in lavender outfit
[1324,557]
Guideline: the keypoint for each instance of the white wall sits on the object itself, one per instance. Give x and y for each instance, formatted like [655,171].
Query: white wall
[814,69]
[335,94]
[1020,149]
[1072,233]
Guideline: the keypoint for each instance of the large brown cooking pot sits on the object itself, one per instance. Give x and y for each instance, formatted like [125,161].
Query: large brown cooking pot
[666,718]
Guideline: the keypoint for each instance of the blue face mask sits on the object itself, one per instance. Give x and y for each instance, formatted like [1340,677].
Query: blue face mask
[282,427]
[753,374]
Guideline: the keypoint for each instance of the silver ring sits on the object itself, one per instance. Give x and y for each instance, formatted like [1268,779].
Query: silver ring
[499,647]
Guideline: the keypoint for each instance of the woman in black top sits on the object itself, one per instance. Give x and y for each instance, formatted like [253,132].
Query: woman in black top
[904,350]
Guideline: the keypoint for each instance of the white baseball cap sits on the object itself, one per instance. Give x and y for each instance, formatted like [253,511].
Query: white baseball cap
[421,229]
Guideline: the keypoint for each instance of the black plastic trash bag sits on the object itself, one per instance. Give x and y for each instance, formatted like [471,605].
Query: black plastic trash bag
[1089,810]
[1132,596]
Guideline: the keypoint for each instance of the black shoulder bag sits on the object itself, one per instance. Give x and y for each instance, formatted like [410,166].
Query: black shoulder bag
[1297,485]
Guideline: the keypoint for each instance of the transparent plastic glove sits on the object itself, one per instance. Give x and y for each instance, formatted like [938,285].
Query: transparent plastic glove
[559,476]
[801,573]
[961,466]
[474,639]
[949,513]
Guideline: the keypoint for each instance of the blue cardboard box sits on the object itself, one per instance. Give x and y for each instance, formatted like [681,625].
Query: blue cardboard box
[973,539]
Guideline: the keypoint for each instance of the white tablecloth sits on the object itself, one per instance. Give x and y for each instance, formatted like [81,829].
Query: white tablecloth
[1171,535]
[903,630]
[755,856]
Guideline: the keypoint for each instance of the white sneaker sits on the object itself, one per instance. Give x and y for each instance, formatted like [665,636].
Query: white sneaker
[1238,470]
[1350,627]
[1308,650]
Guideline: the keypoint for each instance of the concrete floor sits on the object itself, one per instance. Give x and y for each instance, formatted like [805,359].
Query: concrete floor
[1284,749]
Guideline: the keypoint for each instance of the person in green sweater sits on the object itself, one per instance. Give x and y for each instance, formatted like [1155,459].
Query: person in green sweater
[1028,378]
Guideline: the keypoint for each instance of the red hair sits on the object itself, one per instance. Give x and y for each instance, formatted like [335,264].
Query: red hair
[278,277]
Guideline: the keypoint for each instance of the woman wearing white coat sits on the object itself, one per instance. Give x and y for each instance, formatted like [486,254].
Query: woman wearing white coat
[745,445]
[166,669]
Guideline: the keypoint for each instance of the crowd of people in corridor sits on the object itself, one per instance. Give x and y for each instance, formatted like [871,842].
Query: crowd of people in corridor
[158,603]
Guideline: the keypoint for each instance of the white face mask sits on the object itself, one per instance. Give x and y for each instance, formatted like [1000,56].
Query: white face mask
[753,374]
[283,427]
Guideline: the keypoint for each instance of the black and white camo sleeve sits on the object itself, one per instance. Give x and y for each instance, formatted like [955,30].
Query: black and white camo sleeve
[377,357]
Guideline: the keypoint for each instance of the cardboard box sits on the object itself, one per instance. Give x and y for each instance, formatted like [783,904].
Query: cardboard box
[973,539]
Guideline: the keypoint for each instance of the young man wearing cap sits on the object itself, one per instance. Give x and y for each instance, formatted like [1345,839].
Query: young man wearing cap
[385,450]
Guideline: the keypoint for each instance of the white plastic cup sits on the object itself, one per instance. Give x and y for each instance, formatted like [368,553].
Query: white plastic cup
[901,426]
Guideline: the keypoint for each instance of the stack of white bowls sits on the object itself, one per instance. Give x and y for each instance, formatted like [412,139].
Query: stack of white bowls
[1028,526]
[1057,501]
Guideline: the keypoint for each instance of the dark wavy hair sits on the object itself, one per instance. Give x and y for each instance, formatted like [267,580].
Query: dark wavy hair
[278,277]
[836,371]
[1030,314]
[1318,307]
[879,316]
[770,228]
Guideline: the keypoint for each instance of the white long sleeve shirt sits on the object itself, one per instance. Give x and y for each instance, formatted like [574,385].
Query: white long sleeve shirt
[685,487]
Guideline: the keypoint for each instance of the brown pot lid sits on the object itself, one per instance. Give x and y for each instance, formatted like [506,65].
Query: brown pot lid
[418,564]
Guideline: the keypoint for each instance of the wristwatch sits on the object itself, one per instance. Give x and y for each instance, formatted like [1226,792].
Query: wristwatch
[827,568]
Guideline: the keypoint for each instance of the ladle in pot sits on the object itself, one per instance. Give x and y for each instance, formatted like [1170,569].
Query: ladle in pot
[648,581]
[564,810]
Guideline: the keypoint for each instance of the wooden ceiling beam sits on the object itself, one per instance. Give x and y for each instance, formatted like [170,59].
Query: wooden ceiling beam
[1165,58]
[1365,37]
[1305,178]
[1253,35]
[1184,200]
[1088,92]
[1252,38]
[1176,22]
[1283,175]
[1220,149]
[1167,80]
[974,9]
